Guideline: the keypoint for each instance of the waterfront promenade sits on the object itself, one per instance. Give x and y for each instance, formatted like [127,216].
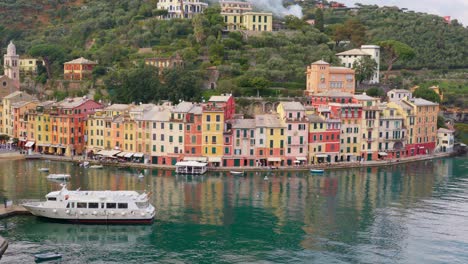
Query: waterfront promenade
[337,165]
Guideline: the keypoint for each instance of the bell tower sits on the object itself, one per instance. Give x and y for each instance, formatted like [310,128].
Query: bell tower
[11,64]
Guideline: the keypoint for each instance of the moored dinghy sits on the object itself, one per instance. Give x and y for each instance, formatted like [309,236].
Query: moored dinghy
[47,256]
[58,176]
[237,173]
[317,171]
[43,169]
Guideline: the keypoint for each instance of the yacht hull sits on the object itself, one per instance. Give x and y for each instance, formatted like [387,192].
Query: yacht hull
[90,216]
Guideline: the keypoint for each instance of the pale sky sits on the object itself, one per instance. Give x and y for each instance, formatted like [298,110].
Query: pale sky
[457,9]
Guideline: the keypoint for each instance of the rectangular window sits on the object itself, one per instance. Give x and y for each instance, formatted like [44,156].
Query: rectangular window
[122,205]
[80,205]
[93,205]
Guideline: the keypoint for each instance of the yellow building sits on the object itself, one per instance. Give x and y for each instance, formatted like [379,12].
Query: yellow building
[7,124]
[40,128]
[271,134]
[239,16]
[212,132]
[29,65]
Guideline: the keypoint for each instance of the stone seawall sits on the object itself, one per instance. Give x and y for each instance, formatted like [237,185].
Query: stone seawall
[3,246]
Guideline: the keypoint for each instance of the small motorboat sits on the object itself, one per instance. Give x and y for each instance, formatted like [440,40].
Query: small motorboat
[237,172]
[58,176]
[44,169]
[141,175]
[317,171]
[47,256]
[96,167]
[265,178]
[85,164]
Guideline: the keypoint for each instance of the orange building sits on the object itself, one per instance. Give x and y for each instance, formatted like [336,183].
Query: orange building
[321,77]
[78,69]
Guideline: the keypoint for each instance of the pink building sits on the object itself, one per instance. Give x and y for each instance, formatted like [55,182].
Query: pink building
[294,115]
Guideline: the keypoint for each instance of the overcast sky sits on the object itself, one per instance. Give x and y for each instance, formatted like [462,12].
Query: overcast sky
[457,9]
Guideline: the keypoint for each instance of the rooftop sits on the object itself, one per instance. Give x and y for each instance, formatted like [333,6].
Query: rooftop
[81,60]
[269,120]
[72,102]
[315,118]
[320,62]
[182,107]
[400,91]
[444,130]
[220,98]
[357,52]
[422,102]
[293,106]
[335,94]
[364,97]
[118,107]
[243,123]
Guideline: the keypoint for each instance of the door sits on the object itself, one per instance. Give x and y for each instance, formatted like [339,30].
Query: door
[237,163]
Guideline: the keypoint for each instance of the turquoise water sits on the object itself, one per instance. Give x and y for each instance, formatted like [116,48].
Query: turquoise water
[413,213]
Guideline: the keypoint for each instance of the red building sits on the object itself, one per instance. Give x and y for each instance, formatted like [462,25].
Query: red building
[78,69]
[67,120]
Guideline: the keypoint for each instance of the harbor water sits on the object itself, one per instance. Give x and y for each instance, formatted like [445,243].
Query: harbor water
[407,213]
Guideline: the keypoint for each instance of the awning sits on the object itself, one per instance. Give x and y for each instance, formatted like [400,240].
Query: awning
[274,159]
[201,159]
[43,145]
[29,144]
[301,158]
[297,161]
[190,164]
[129,155]
[321,155]
[22,139]
[421,147]
[138,155]
[121,154]
[214,159]
[108,153]
[383,153]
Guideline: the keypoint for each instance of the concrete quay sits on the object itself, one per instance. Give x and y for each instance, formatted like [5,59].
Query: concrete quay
[3,246]
[328,166]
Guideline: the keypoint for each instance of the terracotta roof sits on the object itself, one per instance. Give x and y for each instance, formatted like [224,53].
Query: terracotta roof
[319,62]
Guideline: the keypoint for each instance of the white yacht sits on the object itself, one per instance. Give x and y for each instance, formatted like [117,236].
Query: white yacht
[106,207]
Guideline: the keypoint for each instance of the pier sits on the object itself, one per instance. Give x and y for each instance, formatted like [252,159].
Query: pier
[7,212]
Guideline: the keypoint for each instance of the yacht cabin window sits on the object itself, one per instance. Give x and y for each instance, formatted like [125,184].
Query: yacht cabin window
[51,199]
[93,205]
[111,205]
[81,205]
[123,205]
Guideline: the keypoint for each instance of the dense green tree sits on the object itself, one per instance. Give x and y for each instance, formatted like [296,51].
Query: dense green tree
[375,92]
[319,20]
[427,94]
[50,54]
[395,50]
[352,30]
[183,85]
[138,84]
[294,23]
[364,68]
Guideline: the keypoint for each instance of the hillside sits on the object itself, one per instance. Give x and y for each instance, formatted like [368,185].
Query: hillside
[112,32]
